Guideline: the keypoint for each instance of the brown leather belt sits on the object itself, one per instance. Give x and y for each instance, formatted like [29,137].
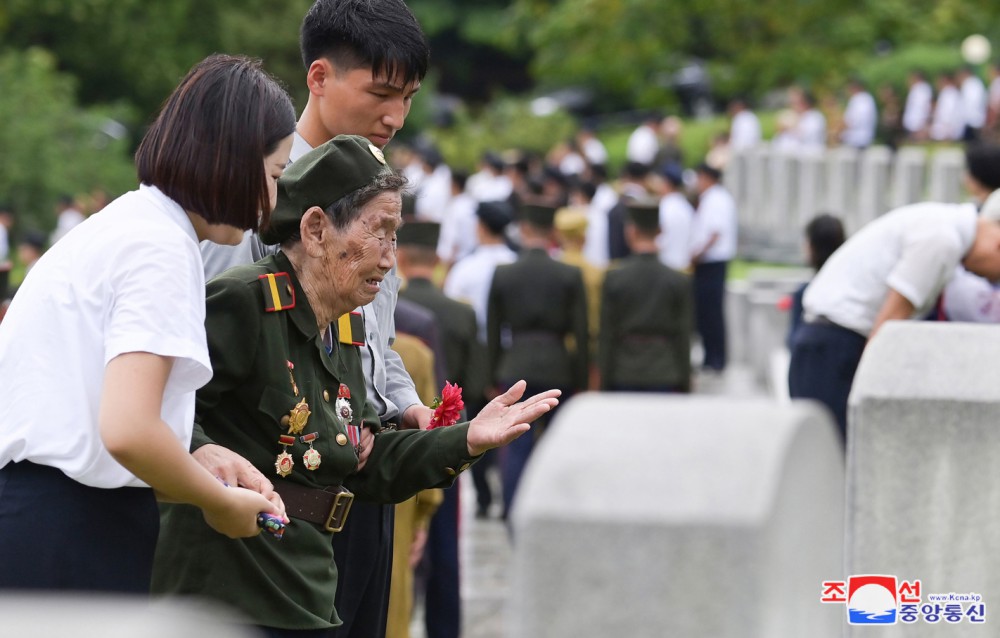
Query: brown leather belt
[327,507]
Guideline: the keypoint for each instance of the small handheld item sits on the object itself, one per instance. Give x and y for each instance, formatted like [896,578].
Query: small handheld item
[271,524]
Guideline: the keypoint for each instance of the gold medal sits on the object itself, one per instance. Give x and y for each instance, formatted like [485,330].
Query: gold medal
[284,462]
[311,458]
[341,439]
[298,417]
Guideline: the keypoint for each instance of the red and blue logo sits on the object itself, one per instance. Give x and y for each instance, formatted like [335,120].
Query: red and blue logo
[871,600]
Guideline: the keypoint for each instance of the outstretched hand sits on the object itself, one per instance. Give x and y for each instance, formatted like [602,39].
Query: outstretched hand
[504,419]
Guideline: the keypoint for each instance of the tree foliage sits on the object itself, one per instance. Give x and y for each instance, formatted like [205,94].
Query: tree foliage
[50,145]
[631,47]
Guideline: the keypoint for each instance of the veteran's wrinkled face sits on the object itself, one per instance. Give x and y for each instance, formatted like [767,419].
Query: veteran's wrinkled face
[365,251]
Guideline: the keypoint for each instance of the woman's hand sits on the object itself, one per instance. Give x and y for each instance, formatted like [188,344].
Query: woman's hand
[235,515]
[504,419]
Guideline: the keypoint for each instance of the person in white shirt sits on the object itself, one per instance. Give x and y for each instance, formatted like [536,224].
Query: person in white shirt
[489,184]
[469,280]
[714,238]
[595,246]
[644,142]
[592,148]
[68,218]
[676,219]
[104,346]
[919,102]
[457,238]
[860,116]
[435,188]
[948,123]
[810,127]
[744,130]
[974,104]
[893,268]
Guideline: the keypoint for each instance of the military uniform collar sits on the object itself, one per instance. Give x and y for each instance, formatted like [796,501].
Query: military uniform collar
[302,314]
[420,282]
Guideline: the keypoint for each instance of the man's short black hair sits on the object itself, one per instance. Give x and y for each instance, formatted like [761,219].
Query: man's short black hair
[206,148]
[381,34]
[982,160]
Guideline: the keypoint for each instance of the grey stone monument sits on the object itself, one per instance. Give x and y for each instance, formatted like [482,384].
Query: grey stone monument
[782,191]
[873,184]
[649,516]
[812,187]
[947,166]
[842,184]
[923,465]
[115,616]
[909,176]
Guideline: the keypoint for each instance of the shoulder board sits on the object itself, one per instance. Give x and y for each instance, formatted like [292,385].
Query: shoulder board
[351,329]
[278,291]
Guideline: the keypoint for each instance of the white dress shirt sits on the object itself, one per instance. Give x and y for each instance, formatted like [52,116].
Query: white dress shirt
[860,119]
[917,112]
[128,279]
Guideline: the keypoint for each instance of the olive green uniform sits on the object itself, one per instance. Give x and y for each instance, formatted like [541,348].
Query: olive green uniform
[288,583]
[537,303]
[646,319]
[465,358]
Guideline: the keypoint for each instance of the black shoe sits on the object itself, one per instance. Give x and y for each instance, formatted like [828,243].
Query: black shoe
[482,512]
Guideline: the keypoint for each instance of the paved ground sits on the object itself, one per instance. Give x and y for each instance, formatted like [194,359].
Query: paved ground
[485,547]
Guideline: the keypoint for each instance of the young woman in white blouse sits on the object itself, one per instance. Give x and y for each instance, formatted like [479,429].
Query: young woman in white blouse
[104,346]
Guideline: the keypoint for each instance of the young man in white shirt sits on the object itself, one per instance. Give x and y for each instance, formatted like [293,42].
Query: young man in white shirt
[917,111]
[744,129]
[676,219]
[893,268]
[714,238]
[860,116]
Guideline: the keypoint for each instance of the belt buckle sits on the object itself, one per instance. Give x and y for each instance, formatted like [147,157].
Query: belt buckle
[338,512]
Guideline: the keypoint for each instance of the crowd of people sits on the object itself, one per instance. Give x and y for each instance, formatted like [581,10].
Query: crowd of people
[262,326]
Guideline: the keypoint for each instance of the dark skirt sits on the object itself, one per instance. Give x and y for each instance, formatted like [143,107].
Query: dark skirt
[58,534]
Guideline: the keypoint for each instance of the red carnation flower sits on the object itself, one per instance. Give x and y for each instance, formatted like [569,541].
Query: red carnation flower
[447,407]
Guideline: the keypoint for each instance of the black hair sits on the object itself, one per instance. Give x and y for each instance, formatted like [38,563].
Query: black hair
[825,234]
[983,163]
[352,34]
[206,148]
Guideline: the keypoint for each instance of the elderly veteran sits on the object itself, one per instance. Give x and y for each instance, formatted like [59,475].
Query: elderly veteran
[288,394]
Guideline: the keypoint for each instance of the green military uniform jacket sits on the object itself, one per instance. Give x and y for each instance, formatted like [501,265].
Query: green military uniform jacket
[646,318]
[534,304]
[288,583]
[465,357]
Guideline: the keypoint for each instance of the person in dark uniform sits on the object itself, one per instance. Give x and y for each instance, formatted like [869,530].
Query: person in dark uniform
[646,315]
[534,305]
[465,364]
[288,394]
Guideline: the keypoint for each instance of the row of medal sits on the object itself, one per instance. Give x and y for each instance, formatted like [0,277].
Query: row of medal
[296,422]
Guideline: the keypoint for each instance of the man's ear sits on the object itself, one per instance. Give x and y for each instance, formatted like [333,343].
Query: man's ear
[314,228]
[317,75]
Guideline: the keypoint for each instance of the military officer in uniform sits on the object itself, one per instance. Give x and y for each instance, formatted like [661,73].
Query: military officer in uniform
[571,233]
[288,394]
[465,364]
[534,305]
[647,313]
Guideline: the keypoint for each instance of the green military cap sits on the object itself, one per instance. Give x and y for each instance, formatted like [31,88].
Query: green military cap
[418,234]
[539,215]
[644,213]
[319,178]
